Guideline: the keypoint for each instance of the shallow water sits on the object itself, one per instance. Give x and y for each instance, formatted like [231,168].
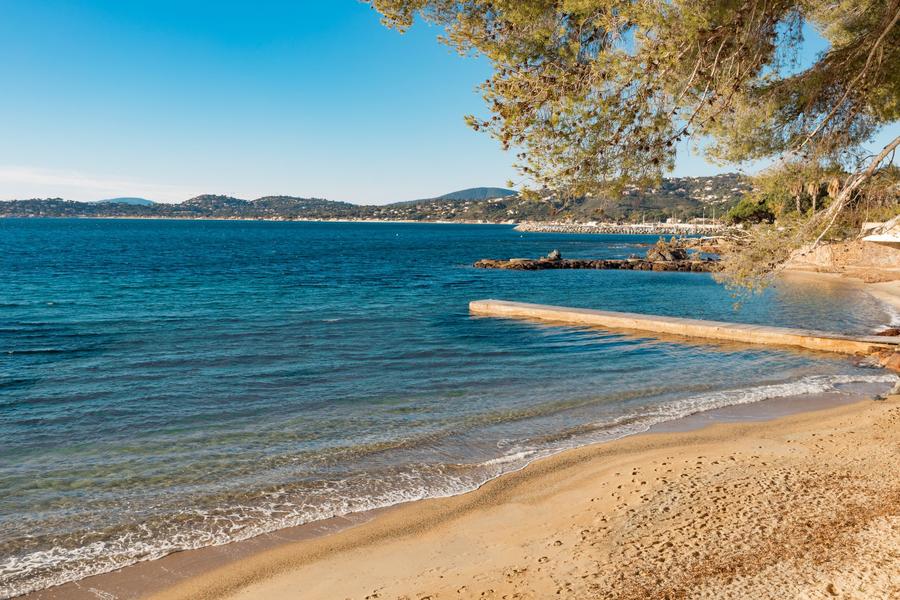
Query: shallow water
[170,384]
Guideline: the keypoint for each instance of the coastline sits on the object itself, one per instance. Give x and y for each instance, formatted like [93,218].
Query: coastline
[304,556]
[262,219]
[660,229]
[726,511]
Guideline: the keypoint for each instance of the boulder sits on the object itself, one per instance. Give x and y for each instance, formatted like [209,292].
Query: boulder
[665,251]
[889,359]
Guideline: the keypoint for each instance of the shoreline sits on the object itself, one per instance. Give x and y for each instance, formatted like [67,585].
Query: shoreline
[887,292]
[659,229]
[188,574]
[245,219]
[536,532]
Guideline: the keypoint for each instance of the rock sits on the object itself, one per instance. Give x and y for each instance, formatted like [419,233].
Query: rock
[892,362]
[889,359]
[633,264]
[663,256]
[890,331]
[666,252]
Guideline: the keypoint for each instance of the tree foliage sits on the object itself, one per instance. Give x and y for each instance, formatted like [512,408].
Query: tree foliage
[753,208]
[598,91]
[791,216]
[594,90]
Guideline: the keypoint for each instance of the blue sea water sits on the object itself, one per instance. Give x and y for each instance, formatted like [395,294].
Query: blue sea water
[167,385]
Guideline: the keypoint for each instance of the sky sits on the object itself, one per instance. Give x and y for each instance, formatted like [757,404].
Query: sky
[168,99]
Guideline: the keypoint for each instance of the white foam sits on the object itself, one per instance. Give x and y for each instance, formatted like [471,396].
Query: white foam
[815,384]
[509,458]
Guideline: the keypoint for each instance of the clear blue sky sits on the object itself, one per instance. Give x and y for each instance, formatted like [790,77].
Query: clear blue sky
[167,99]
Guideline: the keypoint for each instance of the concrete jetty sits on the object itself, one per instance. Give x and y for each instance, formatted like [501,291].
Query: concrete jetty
[694,328]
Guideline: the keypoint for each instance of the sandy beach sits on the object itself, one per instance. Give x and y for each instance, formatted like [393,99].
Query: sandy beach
[886,291]
[886,286]
[803,506]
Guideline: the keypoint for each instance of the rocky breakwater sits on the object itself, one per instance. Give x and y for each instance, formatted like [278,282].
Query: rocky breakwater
[624,228]
[661,257]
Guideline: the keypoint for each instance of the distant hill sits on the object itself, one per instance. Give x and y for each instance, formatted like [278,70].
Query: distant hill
[293,202]
[680,197]
[467,195]
[683,198]
[129,201]
[478,193]
[213,202]
[267,207]
[292,207]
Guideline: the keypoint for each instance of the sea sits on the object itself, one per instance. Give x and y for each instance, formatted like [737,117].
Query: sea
[168,385]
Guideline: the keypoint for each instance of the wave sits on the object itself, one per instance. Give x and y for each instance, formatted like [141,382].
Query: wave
[814,384]
[893,313]
[27,351]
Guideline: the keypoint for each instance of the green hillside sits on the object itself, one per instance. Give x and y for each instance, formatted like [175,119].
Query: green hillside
[684,197]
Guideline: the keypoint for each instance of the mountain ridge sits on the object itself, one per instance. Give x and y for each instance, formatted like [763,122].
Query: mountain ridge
[684,197]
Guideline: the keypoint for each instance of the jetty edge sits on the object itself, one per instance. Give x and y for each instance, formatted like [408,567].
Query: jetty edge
[694,328]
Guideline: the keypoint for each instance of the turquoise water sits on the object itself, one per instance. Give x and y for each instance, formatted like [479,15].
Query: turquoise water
[171,384]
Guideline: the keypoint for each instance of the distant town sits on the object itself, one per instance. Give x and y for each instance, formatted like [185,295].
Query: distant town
[674,200]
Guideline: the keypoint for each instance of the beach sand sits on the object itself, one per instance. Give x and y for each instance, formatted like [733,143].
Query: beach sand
[803,506]
[886,286]
[887,291]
